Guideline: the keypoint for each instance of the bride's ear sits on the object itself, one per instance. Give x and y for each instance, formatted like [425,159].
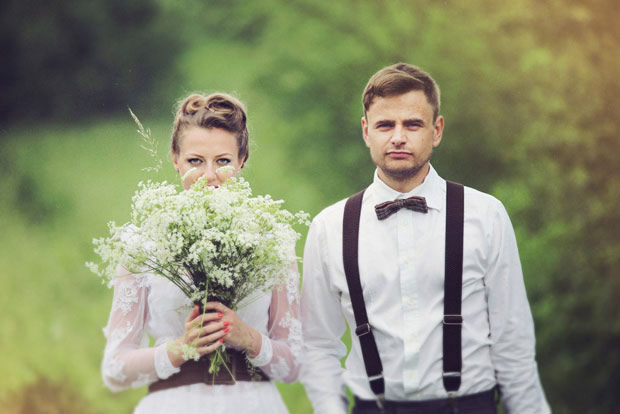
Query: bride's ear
[175,161]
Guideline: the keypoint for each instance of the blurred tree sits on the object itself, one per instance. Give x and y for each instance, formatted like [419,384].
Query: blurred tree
[570,192]
[70,59]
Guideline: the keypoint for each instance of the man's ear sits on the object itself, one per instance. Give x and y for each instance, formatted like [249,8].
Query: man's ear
[438,131]
[365,130]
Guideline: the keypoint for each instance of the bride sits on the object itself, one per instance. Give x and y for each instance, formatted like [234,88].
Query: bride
[263,338]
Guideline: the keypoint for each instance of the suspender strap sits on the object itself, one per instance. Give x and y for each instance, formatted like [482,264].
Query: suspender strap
[452,320]
[350,238]
[453,284]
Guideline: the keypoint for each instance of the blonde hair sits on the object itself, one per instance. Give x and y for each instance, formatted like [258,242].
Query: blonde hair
[218,110]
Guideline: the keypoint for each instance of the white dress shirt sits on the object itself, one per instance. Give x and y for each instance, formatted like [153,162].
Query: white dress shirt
[401,263]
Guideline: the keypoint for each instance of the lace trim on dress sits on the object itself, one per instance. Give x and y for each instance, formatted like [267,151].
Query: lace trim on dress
[125,359]
[127,296]
[113,369]
[295,335]
[292,289]
[280,370]
[116,336]
[163,366]
[285,332]
[142,380]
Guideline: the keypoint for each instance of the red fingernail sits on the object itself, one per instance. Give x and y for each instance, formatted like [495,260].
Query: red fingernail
[226,330]
[219,315]
[226,323]
[221,339]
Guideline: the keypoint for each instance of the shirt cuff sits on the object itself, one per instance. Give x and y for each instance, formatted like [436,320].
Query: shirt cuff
[265,354]
[163,366]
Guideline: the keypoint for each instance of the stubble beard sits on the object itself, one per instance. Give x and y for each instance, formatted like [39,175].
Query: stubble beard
[404,174]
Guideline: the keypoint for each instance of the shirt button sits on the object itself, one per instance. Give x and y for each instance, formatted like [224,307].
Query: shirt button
[410,302]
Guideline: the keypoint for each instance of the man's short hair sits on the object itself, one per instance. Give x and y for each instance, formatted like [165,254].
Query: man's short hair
[399,79]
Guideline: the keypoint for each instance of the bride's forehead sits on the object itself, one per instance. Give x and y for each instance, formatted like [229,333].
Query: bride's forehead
[207,139]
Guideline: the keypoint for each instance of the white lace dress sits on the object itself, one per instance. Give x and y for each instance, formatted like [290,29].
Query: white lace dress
[149,304]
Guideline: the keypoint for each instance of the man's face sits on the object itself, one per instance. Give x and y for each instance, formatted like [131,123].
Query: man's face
[401,135]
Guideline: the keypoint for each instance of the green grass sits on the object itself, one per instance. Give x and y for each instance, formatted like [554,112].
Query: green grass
[60,186]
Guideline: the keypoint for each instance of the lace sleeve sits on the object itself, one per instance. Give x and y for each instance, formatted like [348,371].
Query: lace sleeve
[128,361]
[280,354]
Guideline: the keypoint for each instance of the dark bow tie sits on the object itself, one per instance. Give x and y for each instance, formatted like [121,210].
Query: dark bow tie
[385,210]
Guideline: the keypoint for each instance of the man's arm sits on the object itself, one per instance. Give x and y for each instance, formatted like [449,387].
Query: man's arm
[512,327]
[323,326]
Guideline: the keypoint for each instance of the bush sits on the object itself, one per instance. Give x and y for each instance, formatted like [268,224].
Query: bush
[71,59]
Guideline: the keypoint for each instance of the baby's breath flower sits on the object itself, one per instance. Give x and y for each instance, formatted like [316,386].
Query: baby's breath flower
[188,351]
[226,169]
[213,243]
[188,173]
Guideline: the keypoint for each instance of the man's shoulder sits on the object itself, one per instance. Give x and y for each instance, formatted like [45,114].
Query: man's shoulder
[482,203]
[331,214]
[478,195]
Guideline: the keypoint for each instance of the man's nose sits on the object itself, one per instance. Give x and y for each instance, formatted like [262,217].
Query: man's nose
[399,135]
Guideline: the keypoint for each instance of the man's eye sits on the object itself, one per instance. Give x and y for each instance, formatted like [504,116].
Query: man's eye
[384,126]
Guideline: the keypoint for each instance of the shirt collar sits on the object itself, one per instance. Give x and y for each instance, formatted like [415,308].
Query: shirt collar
[433,189]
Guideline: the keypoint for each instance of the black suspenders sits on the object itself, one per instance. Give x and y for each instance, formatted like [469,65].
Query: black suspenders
[370,353]
[452,319]
[453,285]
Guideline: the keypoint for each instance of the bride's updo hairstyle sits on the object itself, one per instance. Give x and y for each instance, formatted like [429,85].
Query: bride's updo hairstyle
[218,110]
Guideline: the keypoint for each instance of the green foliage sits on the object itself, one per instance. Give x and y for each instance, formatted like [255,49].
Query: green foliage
[71,59]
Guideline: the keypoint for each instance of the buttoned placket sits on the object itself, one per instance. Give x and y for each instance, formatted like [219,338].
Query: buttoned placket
[409,281]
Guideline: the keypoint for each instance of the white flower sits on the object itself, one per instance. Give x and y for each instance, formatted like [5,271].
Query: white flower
[220,243]
[188,173]
[226,169]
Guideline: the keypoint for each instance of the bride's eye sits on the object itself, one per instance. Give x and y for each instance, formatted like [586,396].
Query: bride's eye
[224,161]
[194,161]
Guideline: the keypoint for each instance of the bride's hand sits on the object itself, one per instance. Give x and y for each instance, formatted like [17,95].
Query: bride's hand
[204,330]
[238,334]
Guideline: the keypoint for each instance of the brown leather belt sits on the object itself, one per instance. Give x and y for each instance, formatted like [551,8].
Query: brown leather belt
[195,372]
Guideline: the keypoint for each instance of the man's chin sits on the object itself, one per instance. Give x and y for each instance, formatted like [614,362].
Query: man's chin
[401,174]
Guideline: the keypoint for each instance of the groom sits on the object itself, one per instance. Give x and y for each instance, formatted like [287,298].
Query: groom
[425,273]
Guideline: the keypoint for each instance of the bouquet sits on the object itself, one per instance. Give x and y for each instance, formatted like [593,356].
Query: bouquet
[215,244]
